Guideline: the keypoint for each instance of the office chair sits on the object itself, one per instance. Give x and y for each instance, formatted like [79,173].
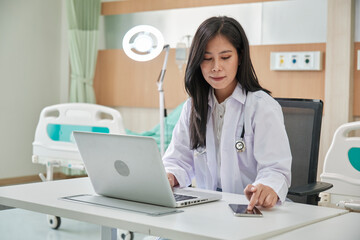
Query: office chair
[302,118]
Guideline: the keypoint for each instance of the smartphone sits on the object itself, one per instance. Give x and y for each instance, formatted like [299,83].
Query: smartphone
[240,210]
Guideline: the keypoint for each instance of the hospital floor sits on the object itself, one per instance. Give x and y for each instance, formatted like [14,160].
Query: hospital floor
[22,224]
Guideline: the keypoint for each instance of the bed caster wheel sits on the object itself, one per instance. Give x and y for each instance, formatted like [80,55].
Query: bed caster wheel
[54,221]
[125,235]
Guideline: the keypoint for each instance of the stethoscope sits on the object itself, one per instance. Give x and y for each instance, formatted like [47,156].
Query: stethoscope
[240,144]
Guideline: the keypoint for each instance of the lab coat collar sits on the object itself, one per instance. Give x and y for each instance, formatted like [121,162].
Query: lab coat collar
[238,94]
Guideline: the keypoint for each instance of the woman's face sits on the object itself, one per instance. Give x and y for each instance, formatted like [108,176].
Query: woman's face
[219,66]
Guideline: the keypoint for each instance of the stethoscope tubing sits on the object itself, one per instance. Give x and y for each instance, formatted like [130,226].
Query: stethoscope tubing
[240,143]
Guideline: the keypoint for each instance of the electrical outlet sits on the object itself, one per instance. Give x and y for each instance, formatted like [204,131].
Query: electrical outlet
[324,196]
[308,60]
[312,61]
[280,61]
[295,61]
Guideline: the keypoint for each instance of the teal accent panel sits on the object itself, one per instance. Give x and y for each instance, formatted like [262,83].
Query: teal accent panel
[354,158]
[63,133]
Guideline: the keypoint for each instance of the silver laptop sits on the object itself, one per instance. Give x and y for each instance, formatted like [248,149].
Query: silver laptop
[130,168]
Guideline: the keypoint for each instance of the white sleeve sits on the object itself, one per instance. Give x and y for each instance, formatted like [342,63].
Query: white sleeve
[272,148]
[178,158]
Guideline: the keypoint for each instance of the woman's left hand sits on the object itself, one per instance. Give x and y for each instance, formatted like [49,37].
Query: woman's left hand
[260,195]
[172,180]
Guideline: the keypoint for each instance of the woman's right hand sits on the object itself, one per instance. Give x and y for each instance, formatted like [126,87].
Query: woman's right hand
[172,180]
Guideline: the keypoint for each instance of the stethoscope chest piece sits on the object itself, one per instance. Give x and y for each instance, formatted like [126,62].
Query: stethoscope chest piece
[240,145]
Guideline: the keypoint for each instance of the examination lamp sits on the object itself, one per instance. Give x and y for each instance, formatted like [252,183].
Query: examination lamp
[144,43]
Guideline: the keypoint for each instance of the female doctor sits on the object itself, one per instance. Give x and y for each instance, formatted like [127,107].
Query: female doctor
[230,135]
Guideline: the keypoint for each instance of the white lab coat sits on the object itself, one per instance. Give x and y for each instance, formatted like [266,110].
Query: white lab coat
[266,160]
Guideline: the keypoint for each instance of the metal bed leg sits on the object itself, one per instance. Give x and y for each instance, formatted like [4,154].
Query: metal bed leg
[53,221]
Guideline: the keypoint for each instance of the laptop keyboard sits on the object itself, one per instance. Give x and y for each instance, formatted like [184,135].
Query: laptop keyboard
[179,197]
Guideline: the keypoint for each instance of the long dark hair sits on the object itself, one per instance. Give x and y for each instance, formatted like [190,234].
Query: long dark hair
[195,84]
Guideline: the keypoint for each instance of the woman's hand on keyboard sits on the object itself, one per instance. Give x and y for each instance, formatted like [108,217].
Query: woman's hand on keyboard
[172,180]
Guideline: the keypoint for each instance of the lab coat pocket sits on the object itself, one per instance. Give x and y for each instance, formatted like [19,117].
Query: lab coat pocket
[202,172]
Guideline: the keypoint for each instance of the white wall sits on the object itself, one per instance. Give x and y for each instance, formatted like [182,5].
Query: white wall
[30,60]
[278,22]
[294,22]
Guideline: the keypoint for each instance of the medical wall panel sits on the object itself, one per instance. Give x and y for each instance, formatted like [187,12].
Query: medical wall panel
[289,84]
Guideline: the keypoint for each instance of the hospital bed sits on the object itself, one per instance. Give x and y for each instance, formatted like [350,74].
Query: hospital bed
[342,169]
[54,145]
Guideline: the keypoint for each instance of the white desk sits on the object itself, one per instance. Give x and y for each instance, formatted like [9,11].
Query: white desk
[206,221]
[341,227]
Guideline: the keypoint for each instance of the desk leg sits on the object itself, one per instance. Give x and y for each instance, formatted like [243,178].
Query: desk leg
[108,233]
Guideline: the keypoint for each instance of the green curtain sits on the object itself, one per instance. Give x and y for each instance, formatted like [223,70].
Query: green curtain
[83,18]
